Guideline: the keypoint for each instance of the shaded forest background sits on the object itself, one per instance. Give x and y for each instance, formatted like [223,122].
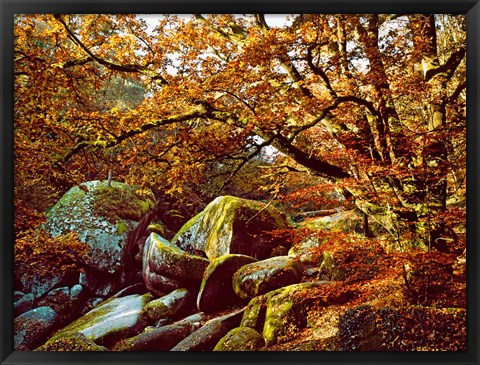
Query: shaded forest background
[324,112]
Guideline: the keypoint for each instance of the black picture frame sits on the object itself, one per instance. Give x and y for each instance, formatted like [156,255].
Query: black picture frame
[10,7]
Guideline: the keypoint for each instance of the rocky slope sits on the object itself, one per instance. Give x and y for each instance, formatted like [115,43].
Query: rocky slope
[240,277]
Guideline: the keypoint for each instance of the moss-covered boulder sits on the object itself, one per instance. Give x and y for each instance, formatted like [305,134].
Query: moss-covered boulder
[32,327]
[205,338]
[287,310]
[349,221]
[171,306]
[163,258]
[234,225]
[240,339]
[216,291]
[263,276]
[254,315]
[159,284]
[161,338]
[102,216]
[72,342]
[110,321]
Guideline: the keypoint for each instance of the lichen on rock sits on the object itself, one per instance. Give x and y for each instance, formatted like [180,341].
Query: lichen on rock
[110,321]
[240,339]
[264,276]
[233,225]
[102,216]
[160,257]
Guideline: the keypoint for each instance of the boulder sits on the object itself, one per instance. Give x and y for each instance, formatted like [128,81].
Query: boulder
[287,310]
[305,245]
[276,313]
[57,299]
[32,327]
[349,221]
[263,276]
[161,338]
[109,322]
[230,225]
[71,342]
[254,315]
[240,339]
[159,284]
[40,283]
[205,338]
[24,304]
[167,260]
[171,306]
[99,283]
[76,292]
[216,291]
[102,216]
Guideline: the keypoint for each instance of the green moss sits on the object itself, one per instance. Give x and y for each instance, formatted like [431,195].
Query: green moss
[254,315]
[240,339]
[120,201]
[71,342]
[95,317]
[177,263]
[282,314]
[186,227]
[122,227]
[158,228]
[278,307]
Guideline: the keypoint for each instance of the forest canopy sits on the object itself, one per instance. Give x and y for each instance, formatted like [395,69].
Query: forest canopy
[366,110]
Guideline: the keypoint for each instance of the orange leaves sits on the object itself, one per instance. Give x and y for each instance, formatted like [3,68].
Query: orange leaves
[36,253]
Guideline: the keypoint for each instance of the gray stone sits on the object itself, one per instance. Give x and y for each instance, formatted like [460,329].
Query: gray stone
[161,338]
[24,304]
[263,276]
[111,321]
[40,284]
[76,291]
[205,338]
[167,260]
[171,306]
[33,327]
[102,216]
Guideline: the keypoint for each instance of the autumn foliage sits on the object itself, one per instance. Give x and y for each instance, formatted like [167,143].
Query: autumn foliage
[360,112]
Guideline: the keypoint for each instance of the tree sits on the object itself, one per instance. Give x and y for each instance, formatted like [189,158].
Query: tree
[372,104]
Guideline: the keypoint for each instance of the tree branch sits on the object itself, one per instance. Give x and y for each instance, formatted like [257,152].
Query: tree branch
[110,65]
[449,67]
[198,111]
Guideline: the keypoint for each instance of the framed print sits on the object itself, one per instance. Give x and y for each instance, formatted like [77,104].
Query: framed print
[227,182]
